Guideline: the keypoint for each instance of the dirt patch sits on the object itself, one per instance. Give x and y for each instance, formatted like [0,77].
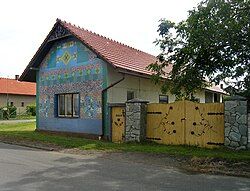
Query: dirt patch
[217,166]
[189,165]
[30,143]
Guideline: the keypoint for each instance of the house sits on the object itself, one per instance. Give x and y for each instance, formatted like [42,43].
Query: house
[16,93]
[80,73]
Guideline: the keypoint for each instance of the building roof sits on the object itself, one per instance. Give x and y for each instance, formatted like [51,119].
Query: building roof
[117,54]
[216,89]
[12,86]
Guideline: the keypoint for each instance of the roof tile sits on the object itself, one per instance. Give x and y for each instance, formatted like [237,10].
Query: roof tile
[12,86]
[116,53]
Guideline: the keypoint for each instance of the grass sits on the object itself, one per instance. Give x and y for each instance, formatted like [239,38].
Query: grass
[26,131]
[21,117]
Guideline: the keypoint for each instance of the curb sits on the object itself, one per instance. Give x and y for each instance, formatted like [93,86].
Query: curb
[29,146]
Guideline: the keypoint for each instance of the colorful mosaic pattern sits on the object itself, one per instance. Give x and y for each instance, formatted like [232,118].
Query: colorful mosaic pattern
[71,67]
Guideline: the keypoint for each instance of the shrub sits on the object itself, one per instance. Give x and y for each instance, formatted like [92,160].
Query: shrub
[8,112]
[1,113]
[31,109]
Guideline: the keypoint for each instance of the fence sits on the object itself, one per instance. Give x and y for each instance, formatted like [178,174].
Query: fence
[186,122]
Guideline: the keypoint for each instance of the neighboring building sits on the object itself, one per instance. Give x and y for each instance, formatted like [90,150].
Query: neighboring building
[79,73]
[16,93]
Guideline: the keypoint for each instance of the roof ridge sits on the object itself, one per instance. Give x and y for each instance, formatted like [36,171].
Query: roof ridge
[110,39]
[13,79]
[6,78]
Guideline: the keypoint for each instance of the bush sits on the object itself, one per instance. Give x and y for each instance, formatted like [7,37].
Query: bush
[8,112]
[1,113]
[31,109]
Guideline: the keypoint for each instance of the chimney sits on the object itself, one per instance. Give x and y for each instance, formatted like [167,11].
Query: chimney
[16,77]
[221,86]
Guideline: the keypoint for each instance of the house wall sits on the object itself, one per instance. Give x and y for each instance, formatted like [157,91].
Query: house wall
[81,71]
[17,101]
[144,89]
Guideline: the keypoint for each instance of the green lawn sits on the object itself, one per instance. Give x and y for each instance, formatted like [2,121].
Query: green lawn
[25,131]
[19,117]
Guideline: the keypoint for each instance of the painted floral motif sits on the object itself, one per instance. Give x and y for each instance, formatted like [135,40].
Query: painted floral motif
[66,70]
[91,107]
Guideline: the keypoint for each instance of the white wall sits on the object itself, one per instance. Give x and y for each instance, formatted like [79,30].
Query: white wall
[143,88]
[17,101]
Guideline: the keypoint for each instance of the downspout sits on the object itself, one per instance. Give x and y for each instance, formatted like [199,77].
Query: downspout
[103,104]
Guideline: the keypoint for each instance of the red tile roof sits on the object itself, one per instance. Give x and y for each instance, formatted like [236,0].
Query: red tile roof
[12,86]
[117,54]
[216,89]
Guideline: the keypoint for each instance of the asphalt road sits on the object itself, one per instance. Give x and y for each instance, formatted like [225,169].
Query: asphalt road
[27,169]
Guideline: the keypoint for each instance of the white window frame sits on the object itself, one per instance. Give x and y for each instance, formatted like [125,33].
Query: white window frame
[65,106]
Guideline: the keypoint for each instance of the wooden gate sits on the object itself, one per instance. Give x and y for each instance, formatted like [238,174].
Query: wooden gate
[186,122]
[118,123]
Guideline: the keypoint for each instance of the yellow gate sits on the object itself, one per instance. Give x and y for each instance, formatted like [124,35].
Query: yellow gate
[162,125]
[186,122]
[204,124]
[118,124]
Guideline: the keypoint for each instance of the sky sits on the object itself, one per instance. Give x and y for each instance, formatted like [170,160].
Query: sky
[24,24]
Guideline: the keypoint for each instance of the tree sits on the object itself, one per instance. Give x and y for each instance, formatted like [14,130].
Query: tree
[212,44]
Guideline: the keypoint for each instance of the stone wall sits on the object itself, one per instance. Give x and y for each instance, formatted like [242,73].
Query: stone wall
[248,145]
[236,123]
[136,114]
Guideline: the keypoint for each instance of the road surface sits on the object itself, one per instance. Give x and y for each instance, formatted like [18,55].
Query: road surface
[24,169]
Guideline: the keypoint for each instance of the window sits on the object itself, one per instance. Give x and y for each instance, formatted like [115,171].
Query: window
[22,104]
[11,103]
[208,97]
[130,95]
[163,98]
[216,97]
[68,105]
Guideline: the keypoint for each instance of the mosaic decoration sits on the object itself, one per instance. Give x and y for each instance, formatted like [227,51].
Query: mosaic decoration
[91,106]
[70,67]
[59,32]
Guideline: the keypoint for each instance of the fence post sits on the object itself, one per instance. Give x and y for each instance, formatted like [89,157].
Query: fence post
[236,125]
[136,120]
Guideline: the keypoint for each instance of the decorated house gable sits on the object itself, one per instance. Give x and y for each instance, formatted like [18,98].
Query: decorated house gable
[70,69]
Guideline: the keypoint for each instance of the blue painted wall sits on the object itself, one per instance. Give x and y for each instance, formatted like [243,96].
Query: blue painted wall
[70,67]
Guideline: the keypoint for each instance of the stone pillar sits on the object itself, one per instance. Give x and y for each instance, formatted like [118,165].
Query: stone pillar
[248,145]
[236,135]
[136,120]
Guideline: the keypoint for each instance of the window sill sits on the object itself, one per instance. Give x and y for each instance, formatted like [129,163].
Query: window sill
[68,117]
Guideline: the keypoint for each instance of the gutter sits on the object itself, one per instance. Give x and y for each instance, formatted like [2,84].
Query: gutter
[103,105]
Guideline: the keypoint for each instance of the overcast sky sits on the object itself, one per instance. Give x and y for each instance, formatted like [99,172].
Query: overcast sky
[24,24]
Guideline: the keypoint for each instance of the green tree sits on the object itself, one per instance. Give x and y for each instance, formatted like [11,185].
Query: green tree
[213,42]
